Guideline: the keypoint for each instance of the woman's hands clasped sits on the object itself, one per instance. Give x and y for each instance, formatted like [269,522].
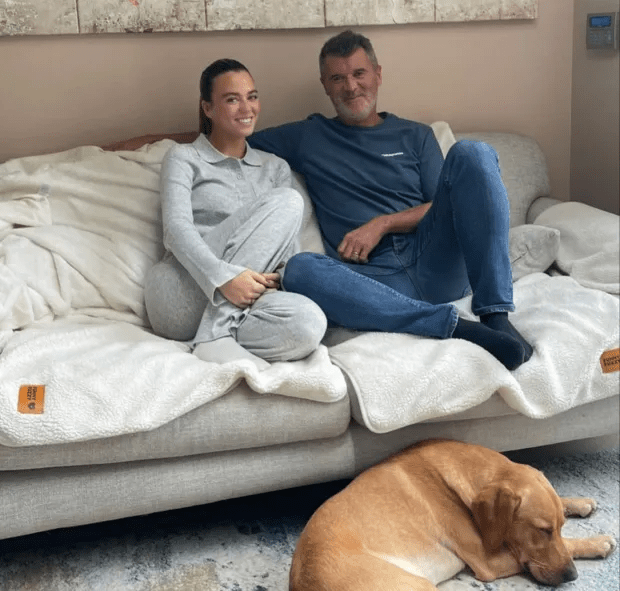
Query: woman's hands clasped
[244,289]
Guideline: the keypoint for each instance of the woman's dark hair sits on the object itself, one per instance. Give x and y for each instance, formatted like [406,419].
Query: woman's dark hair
[206,85]
[344,44]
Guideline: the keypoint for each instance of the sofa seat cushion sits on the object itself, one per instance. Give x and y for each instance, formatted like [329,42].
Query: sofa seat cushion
[493,407]
[241,419]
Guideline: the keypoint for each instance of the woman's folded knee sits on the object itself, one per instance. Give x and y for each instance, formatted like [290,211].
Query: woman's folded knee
[285,201]
[309,329]
[301,322]
[282,210]
[283,327]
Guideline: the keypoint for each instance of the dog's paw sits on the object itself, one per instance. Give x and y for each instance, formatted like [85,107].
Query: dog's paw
[587,507]
[579,507]
[605,545]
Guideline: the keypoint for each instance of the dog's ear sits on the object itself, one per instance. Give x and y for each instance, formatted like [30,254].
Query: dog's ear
[493,511]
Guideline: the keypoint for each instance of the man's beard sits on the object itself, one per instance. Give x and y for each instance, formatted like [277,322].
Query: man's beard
[356,115]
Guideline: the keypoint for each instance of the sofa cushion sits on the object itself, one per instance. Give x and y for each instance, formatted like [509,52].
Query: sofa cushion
[241,419]
[533,249]
[39,500]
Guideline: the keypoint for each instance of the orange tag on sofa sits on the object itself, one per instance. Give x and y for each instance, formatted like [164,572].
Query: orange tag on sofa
[610,360]
[31,400]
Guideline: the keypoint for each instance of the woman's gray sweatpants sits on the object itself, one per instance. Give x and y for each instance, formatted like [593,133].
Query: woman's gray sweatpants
[279,326]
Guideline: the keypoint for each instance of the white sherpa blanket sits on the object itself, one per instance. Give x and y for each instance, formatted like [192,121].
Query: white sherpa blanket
[401,379]
[108,378]
[78,230]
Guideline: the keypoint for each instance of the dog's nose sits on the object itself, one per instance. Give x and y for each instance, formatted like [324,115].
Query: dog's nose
[570,573]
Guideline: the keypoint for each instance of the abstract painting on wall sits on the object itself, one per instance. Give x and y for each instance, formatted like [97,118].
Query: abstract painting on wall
[75,17]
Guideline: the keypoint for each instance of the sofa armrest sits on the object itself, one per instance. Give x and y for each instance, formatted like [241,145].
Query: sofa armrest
[589,248]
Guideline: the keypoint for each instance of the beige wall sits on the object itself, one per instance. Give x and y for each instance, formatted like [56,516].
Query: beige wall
[59,92]
[595,157]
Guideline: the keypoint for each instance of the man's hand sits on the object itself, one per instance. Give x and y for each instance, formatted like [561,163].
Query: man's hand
[357,244]
[244,289]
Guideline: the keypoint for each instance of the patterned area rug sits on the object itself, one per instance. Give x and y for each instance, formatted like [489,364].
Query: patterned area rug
[247,544]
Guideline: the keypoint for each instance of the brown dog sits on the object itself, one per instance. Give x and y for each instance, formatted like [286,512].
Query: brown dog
[421,516]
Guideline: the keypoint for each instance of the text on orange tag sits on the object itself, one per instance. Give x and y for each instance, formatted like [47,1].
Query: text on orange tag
[31,399]
[610,360]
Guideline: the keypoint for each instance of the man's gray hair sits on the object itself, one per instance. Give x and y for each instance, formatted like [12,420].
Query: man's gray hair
[344,44]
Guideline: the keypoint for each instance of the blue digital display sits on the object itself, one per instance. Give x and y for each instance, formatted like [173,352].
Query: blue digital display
[600,21]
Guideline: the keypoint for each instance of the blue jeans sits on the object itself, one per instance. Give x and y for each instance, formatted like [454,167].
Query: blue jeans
[461,244]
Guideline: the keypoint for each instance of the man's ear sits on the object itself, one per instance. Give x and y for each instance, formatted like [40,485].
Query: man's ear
[493,511]
[379,76]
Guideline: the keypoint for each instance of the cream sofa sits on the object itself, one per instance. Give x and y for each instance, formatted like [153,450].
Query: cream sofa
[63,468]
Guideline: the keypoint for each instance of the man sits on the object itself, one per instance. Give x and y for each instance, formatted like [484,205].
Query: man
[405,232]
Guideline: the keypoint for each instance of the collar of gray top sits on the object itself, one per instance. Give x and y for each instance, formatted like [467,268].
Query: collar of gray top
[213,155]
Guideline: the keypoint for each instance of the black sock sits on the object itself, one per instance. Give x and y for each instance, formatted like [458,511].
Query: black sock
[499,321]
[502,346]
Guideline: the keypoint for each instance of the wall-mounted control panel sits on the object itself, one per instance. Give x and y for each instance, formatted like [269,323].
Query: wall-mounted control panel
[602,30]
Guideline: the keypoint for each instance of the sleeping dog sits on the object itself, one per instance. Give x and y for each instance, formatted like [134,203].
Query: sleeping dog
[421,516]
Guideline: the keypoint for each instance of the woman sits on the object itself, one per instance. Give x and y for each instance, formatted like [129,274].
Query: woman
[230,221]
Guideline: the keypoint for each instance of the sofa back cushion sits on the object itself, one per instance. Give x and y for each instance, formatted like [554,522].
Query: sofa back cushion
[523,168]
